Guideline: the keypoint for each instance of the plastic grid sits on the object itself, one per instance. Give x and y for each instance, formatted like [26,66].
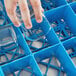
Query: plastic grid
[52,50]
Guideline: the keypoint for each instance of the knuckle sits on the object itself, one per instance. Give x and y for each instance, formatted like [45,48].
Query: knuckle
[23,6]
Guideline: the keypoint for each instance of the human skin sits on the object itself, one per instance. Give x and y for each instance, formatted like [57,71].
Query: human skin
[10,6]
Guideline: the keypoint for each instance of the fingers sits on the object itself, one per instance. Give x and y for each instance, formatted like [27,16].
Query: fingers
[36,4]
[25,13]
[10,8]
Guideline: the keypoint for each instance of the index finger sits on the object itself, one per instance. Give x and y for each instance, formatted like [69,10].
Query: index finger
[10,8]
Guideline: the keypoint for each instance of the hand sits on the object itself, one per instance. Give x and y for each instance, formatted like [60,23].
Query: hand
[25,13]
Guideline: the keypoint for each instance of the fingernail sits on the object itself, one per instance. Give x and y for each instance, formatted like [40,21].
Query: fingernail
[28,27]
[39,20]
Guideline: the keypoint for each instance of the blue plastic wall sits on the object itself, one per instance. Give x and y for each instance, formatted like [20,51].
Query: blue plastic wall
[62,14]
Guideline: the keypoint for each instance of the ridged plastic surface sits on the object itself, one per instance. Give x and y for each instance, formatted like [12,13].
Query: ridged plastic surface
[55,36]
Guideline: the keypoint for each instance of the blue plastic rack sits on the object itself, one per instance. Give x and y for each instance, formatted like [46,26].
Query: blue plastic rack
[56,33]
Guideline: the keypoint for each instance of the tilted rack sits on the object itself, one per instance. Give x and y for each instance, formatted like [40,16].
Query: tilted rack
[56,33]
